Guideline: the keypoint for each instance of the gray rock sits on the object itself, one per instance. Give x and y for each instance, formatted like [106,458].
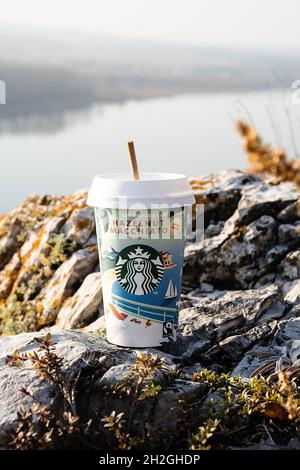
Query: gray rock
[80,225]
[265,281]
[206,288]
[252,241]
[9,275]
[92,241]
[289,327]
[288,233]
[237,256]
[240,307]
[167,415]
[276,311]
[263,198]
[35,247]
[234,346]
[294,352]
[80,309]
[221,192]
[66,278]
[276,253]
[292,292]
[36,239]
[97,326]
[9,243]
[291,213]
[214,229]
[268,359]
[211,320]
[290,266]
[77,349]
[163,413]
[118,374]
[249,363]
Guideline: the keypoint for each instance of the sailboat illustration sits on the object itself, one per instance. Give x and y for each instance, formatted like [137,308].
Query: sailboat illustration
[171,292]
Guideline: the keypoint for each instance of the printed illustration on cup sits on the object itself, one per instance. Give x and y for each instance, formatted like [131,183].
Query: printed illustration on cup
[139,269]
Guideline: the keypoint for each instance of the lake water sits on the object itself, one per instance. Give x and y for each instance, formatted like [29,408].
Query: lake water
[191,134]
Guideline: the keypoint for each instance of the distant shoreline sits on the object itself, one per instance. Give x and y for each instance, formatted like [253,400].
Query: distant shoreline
[36,92]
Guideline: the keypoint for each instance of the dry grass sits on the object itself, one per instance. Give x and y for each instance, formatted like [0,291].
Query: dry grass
[265,159]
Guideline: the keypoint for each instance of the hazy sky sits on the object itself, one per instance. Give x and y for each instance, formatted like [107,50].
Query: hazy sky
[234,23]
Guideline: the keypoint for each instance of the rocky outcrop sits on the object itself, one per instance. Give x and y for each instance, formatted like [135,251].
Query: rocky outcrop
[240,306]
[82,354]
[248,261]
[227,325]
[62,284]
[247,252]
[45,261]
[83,306]
[77,349]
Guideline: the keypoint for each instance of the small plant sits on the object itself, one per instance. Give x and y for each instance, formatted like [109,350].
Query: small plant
[140,381]
[244,410]
[234,413]
[59,249]
[49,366]
[39,427]
[139,385]
[17,316]
[199,440]
[216,381]
[115,424]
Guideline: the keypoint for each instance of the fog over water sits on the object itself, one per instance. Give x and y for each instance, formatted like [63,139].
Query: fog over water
[193,134]
[73,100]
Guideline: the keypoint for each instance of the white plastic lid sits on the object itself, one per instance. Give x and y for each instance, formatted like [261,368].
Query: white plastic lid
[119,190]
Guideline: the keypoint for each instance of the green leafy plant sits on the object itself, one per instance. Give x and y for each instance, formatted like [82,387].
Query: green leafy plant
[140,382]
[249,410]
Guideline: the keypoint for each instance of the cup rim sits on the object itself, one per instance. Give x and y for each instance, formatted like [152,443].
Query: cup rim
[145,177]
[111,189]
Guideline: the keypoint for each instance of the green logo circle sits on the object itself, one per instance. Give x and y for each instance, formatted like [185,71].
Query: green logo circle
[139,269]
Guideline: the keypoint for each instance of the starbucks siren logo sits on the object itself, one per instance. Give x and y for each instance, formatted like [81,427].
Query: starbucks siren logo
[139,269]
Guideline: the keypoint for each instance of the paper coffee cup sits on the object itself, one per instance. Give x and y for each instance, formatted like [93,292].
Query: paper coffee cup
[141,228]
